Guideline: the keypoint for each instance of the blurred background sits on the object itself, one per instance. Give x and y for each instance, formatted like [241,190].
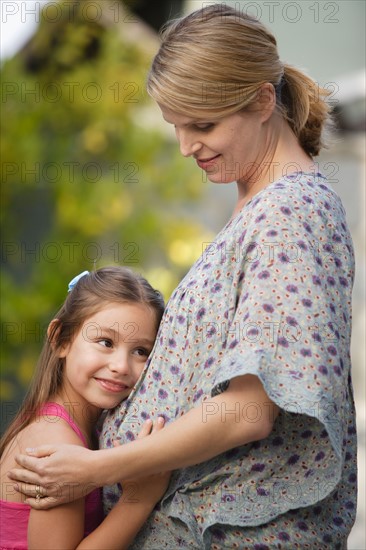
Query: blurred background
[92,176]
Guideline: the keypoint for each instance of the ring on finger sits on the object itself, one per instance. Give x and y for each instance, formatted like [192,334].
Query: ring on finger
[38,493]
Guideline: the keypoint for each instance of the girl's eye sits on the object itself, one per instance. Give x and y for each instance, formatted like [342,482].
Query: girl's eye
[106,343]
[142,352]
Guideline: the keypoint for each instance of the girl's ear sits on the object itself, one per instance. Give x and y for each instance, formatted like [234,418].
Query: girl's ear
[53,332]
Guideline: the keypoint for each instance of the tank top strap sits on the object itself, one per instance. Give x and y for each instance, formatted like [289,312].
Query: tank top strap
[54,409]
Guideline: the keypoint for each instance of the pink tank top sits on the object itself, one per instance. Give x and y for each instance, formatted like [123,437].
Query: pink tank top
[14,516]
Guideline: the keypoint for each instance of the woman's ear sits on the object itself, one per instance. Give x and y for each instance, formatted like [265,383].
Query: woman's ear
[266,100]
[53,332]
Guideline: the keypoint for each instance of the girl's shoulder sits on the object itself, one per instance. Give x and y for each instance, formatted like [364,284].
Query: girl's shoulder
[45,429]
[49,428]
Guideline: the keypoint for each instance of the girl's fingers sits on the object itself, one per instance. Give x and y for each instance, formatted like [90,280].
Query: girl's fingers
[146,429]
[158,424]
[150,427]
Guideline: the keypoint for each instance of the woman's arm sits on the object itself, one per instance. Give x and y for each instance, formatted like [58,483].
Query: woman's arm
[204,432]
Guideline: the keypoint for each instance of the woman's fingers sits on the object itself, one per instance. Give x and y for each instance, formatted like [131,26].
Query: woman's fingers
[38,497]
[32,468]
[40,452]
[43,496]
[31,465]
[43,503]
[25,476]
[29,489]
[62,472]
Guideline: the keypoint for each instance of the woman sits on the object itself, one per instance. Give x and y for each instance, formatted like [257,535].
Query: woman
[251,367]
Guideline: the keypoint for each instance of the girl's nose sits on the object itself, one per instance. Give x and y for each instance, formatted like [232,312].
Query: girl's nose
[120,364]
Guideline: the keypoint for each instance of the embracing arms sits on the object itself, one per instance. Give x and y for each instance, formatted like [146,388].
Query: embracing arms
[62,527]
[211,428]
[120,527]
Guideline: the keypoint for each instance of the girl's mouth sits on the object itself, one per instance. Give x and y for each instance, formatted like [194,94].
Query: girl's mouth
[111,385]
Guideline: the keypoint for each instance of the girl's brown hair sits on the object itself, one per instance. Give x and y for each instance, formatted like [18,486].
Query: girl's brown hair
[105,285]
[213,62]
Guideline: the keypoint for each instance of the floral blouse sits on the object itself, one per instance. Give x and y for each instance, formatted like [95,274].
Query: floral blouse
[271,296]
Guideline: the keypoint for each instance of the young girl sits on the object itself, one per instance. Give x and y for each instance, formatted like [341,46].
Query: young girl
[95,351]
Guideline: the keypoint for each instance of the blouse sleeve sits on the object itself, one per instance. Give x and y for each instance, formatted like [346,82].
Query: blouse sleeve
[291,326]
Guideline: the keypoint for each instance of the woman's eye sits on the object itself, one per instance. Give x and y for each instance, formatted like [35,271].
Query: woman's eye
[205,127]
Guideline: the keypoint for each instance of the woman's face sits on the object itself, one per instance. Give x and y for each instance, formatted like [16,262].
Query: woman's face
[230,149]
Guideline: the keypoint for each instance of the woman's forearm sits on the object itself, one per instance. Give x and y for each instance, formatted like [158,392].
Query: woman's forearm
[204,432]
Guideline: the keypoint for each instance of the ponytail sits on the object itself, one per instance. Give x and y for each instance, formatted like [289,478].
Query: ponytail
[305,108]
[212,62]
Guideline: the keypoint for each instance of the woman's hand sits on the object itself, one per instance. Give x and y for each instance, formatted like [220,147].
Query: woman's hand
[57,473]
[60,473]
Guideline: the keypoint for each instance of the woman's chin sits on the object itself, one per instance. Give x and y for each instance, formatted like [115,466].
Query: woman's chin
[218,181]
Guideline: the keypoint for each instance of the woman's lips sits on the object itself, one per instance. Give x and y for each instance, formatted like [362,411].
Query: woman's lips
[206,163]
[111,385]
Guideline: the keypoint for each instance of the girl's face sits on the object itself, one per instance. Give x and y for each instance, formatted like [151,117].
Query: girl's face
[230,149]
[107,356]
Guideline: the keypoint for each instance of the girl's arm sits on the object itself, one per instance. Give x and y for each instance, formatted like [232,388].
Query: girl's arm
[139,497]
[63,527]
[122,524]
[59,528]
[213,427]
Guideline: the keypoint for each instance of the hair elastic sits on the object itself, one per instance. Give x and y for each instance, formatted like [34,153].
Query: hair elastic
[278,88]
[75,280]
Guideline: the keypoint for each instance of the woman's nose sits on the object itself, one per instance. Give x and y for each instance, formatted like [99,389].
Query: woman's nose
[188,144]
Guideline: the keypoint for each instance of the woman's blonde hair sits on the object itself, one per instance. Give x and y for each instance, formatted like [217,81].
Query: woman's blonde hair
[105,285]
[213,62]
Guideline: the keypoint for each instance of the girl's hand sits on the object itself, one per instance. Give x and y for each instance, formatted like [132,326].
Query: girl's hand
[150,489]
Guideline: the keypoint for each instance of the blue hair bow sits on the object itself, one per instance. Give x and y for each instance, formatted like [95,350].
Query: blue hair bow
[75,280]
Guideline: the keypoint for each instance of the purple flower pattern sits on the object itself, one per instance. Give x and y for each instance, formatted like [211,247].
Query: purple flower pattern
[237,313]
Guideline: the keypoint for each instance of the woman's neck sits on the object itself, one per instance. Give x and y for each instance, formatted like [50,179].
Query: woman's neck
[283,156]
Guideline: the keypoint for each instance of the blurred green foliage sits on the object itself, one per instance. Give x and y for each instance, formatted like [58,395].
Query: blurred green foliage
[89,178]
